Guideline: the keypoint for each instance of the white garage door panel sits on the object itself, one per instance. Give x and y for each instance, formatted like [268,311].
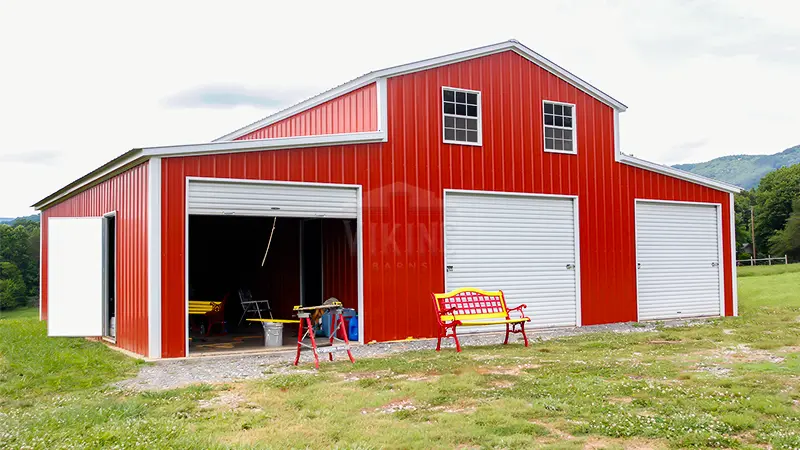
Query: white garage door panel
[208,197]
[75,276]
[520,244]
[678,248]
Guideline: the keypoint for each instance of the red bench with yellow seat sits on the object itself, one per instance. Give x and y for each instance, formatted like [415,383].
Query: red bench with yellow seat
[467,307]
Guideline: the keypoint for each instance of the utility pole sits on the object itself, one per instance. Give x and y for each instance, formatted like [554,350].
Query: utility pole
[753,232]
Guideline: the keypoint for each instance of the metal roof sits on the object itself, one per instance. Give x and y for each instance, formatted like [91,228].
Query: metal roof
[371,77]
[225,144]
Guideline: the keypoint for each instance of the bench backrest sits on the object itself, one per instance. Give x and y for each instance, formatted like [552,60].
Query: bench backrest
[201,307]
[472,303]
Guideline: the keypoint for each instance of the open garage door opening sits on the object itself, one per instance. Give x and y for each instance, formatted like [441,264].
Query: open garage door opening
[256,250]
[309,261]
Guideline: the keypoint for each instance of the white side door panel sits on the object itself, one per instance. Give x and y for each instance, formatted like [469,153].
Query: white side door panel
[75,276]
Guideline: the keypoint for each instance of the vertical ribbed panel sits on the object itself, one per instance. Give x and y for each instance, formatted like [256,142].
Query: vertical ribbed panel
[403,181]
[353,112]
[678,260]
[339,261]
[126,194]
[522,245]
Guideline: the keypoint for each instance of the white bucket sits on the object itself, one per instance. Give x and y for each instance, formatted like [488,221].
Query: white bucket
[273,334]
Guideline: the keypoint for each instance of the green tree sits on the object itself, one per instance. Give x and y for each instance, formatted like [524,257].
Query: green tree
[19,255]
[787,240]
[773,200]
[32,280]
[742,202]
[13,243]
[13,292]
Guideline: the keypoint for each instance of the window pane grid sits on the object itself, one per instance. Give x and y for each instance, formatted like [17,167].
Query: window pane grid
[558,127]
[460,113]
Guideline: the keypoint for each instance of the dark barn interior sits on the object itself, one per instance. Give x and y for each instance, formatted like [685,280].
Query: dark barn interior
[309,260]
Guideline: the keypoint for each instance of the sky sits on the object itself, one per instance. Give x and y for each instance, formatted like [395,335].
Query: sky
[81,82]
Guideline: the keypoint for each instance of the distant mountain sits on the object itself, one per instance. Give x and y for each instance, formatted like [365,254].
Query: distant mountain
[33,217]
[743,170]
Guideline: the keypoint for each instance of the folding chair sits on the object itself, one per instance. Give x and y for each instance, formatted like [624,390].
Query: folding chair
[253,306]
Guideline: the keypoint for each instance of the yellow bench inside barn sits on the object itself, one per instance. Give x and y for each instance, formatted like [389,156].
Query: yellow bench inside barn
[202,307]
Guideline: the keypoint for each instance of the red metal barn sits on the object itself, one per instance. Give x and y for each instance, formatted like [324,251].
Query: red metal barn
[493,168]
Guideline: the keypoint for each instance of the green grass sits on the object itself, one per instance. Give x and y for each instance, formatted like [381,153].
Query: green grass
[34,367]
[21,313]
[730,383]
[757,271]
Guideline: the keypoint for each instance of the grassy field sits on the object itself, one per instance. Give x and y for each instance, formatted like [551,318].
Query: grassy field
[730,383]
[777,269]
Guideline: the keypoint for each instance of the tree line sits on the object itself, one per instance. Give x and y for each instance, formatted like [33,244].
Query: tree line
[19,263]
[775,203]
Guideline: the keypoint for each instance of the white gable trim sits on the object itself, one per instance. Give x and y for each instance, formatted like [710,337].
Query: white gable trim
[303,106]
[116,166]
[677,173]
[380,76]
[666,170]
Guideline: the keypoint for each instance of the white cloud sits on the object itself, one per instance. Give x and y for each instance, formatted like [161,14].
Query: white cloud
[92,79]
[232,96]
[41,157]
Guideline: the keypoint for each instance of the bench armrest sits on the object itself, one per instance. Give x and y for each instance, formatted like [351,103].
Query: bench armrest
[520,309]
[446,312]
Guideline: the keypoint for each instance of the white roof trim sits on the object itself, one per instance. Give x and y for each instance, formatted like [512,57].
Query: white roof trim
[139,155]
[677,173]
[452,58]
[117,165]
[266,144]
[666,170]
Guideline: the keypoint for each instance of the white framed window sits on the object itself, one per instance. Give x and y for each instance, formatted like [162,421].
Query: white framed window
[461,116]
[559,127]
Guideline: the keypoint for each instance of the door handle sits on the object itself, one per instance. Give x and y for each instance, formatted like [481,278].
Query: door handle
[638,265]
[714,264]
[449,268]
[570,266]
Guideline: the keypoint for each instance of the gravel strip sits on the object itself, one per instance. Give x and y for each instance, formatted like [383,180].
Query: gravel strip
[173,373]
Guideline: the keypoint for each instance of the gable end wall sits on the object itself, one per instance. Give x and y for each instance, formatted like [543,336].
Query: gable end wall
[353,112]
[126,194]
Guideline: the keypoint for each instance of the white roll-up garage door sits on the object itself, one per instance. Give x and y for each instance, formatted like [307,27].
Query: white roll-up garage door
[678,260]
[524,245]
[243,198]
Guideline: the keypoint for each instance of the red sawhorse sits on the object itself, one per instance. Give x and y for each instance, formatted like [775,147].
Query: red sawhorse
[337,324]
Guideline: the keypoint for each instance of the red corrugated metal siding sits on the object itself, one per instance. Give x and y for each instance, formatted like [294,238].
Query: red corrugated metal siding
[353,112]
[403,182]
[280,277]
[340,261]
[126,194]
